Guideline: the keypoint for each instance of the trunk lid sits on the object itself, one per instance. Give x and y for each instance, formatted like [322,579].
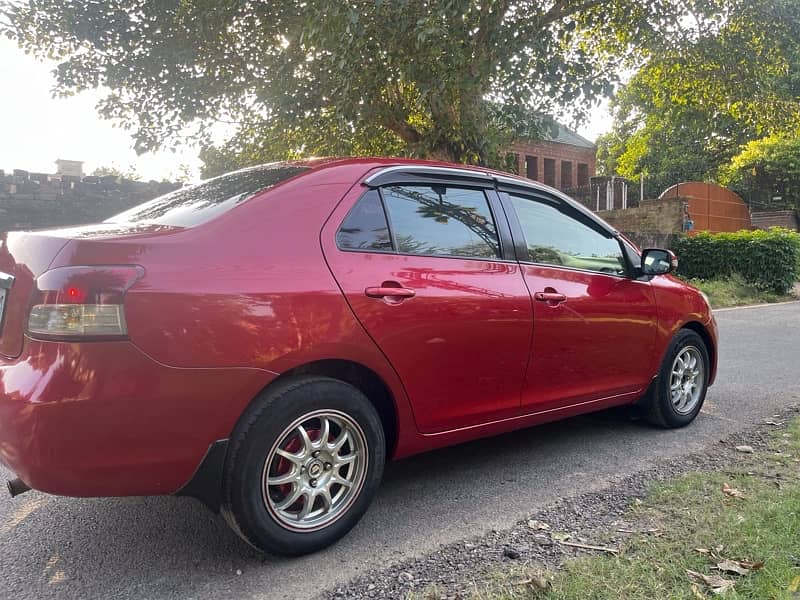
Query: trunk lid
[25,255]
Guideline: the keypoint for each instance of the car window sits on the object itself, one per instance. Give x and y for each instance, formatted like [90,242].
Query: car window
[555,237]
[365,226]
[441,220]
[200,203]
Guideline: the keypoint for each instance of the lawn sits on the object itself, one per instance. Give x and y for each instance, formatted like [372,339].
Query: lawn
[692,536]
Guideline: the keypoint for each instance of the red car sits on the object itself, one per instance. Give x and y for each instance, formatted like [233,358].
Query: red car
[267,339]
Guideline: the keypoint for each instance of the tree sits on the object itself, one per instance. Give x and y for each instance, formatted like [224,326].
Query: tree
[686,112]
[103,171]
[450,79]
[767,172]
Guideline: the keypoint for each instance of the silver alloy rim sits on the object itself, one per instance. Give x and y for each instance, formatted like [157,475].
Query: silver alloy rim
[687,380]
[315,470]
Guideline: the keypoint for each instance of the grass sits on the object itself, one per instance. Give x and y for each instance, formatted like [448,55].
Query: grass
[692,512]
[734,291]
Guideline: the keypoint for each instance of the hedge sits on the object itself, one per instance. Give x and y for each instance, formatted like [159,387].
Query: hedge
[768,260]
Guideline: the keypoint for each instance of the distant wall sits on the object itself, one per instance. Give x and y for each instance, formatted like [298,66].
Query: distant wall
[652,224]
[777,218]
[38,201]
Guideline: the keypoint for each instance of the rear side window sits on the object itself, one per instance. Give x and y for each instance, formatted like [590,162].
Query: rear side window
[202,202]
[441,220]
[365,226]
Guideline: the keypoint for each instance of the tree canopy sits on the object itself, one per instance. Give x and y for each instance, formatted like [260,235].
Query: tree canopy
[688,111]
[450,79]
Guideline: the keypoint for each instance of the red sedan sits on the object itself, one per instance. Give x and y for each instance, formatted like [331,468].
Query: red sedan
[267,339]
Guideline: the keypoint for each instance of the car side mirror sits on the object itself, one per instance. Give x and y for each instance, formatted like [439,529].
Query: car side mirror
[657,261]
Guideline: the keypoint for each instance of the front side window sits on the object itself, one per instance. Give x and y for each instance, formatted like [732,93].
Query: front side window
[555,236]
[441,220]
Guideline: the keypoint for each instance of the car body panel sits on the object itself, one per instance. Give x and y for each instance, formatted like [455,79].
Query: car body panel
[598,343]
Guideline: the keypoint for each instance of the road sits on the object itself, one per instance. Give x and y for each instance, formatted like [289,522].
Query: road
[174,548]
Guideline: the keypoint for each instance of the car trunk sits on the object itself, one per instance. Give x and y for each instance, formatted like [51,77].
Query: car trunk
[26,255]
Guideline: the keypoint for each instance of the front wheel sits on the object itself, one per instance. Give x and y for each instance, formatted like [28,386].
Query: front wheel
[678,395]
[304,464]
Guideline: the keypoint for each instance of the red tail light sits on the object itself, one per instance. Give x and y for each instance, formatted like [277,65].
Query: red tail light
[82,302]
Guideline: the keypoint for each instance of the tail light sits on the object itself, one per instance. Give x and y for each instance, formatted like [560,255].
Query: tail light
[82,302]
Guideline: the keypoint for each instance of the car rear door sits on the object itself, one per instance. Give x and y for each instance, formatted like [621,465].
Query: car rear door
[427,265]
[594,325]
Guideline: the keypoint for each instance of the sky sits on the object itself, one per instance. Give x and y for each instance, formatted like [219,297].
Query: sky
[36,128]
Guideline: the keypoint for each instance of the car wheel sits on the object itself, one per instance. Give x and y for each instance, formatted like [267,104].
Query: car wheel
[678,394]
[303,465]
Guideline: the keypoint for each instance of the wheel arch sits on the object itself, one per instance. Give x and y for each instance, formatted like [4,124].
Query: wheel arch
[709,342]
[362,378]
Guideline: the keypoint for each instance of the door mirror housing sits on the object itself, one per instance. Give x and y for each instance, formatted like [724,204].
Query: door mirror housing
[657,261]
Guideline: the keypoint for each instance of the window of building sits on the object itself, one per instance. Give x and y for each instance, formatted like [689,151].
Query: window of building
[441,220]
[583,174]
[550,172]
[532,167]
[566,174]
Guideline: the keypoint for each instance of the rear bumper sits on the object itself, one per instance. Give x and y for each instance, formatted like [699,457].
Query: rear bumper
[104,419]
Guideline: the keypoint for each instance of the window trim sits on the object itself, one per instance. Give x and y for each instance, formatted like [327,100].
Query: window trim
[521,243]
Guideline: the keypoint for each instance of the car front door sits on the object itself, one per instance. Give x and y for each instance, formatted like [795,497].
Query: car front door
[594,325]
[433,279]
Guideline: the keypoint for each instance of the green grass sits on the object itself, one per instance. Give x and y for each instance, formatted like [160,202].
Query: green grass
[734,291]
[692,512]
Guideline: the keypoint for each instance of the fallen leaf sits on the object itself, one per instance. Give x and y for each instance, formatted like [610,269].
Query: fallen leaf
[560,537]
[696,592]
[775,423]
[795,585]
[637,502]
[703,550]
[536,583]
[732,492]
[745,449]
[739,567]
[534,524]
[717,584]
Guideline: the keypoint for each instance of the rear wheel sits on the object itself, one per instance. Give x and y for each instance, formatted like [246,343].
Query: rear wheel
[678,395]
[304,464]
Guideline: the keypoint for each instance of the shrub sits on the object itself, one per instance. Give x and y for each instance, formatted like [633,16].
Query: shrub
[768,260]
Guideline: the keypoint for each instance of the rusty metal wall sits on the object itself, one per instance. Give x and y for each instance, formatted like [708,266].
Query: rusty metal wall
[711,206]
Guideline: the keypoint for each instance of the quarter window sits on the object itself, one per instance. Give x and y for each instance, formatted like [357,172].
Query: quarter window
[555,237]
[365,226]
[441,220]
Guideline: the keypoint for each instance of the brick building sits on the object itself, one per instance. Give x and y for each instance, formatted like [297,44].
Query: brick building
[565,161]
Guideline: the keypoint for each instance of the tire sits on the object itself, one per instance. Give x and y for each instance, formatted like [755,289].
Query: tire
[269,462]
[663,408]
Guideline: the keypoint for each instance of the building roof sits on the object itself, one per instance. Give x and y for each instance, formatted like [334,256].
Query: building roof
[567,136]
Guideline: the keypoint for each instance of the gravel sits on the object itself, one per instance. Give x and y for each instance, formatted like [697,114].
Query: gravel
[454,568]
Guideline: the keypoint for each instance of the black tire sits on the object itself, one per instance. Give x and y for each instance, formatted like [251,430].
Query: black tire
[657,406]
[256,435]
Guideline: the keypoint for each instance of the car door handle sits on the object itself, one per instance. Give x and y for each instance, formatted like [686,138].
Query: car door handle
[390,292]
[549,297]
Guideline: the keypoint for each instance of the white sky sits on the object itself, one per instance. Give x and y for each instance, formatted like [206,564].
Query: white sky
[36,128]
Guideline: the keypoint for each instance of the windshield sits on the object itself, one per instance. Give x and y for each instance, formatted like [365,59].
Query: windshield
[200,203]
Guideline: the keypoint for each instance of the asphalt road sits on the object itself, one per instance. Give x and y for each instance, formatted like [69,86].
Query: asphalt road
[174,548]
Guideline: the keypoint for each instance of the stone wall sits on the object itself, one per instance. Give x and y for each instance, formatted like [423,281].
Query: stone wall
[39,201]
[652,224]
